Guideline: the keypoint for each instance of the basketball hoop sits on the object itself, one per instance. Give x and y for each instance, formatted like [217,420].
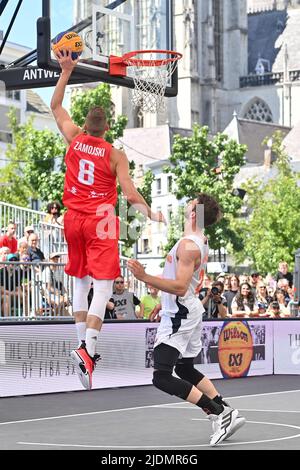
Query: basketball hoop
[151,71]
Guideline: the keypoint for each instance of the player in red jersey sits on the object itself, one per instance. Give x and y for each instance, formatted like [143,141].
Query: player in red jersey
[90,224]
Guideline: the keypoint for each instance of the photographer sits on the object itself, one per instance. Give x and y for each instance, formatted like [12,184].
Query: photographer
[214,302]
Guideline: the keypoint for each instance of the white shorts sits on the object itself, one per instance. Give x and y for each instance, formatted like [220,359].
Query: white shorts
[187,338]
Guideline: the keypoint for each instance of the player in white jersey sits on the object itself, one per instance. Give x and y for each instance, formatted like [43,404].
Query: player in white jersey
[178,339]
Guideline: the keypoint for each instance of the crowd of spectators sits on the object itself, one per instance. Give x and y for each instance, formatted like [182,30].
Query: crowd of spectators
[250,296]
[15,279]
[224,296]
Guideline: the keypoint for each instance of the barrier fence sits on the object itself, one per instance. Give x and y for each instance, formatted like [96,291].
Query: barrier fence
[35,290]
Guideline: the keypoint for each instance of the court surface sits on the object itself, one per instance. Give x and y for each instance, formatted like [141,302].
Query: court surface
[145,418]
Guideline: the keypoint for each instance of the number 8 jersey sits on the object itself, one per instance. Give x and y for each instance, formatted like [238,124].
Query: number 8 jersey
[89,181]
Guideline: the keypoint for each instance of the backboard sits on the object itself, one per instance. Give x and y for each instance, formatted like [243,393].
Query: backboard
[108,27]
[113,29]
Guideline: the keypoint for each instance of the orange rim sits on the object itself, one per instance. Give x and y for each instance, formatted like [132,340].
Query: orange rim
[129,58]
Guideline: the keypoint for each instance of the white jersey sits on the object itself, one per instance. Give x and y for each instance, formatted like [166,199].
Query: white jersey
[172,304]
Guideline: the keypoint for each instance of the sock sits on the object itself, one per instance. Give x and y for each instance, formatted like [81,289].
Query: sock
[91,341]
[219,399]
[80,330]
[207,404]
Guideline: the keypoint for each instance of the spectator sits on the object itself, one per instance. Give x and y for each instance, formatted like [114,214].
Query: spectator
[229,295]
[11,282]
[9,238]
[53,213]
[274,310]
[22,253]
[214,302]
[270,281]
[149,302]
[4,251]
[283,273]
[244,278]
[284,285]
[253,281]
[54,291]
[226,284]
[35,254]
[293,305]
[243,304]
[125,301]
[262,296]
[280,298]
[27,231]
[271,293]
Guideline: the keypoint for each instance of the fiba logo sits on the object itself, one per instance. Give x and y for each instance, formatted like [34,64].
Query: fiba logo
[235,349]
[2,353]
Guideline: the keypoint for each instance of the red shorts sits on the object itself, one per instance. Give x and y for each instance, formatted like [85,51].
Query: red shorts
[92,246]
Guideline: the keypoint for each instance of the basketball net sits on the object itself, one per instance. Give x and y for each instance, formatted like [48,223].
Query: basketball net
[151,77]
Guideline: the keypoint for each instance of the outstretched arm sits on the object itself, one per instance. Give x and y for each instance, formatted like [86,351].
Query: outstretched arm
[64,122]
[187,259]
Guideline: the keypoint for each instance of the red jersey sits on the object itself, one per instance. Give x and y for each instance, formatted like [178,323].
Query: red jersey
[89,181]
[11,243]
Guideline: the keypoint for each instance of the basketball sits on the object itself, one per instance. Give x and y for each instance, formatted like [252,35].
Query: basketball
[68,40]
[235,349]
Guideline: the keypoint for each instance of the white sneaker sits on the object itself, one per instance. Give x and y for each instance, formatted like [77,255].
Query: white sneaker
[223,425]
[239,422]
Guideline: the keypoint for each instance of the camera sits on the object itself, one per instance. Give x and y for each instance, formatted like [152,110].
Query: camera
[215,291]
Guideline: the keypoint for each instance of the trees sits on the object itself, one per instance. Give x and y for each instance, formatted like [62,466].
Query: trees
[271,233]
[30,158]
[203,164]
[35,166]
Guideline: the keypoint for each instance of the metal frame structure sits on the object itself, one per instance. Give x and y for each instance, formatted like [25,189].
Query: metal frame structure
[21,75]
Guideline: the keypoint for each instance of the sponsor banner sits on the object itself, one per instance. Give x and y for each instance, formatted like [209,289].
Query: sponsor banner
[236,349]
[35,358]
[287,347]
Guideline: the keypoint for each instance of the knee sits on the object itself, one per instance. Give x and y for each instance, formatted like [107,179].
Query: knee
[187,371]
[161,380]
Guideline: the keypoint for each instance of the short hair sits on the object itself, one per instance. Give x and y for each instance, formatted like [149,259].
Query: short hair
[96,121]
[212,210]
[218,283]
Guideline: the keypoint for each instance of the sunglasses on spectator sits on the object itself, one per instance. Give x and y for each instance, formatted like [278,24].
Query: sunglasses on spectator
[119,282]
[54,207]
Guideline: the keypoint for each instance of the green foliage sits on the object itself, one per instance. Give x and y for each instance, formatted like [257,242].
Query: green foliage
[32,154]
[201,164]
[30,169]
[271,233]
[81,103]
[51,187]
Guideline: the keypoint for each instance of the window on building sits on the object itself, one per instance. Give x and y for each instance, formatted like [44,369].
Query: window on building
[218,37]
[146,247]
[158,186]
[13,95]
[170,212]
[258,110]
[170,184]
[6,137]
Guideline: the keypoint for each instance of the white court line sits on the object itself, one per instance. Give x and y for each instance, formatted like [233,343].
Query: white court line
[177,446]
[192,407]
[129,409]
